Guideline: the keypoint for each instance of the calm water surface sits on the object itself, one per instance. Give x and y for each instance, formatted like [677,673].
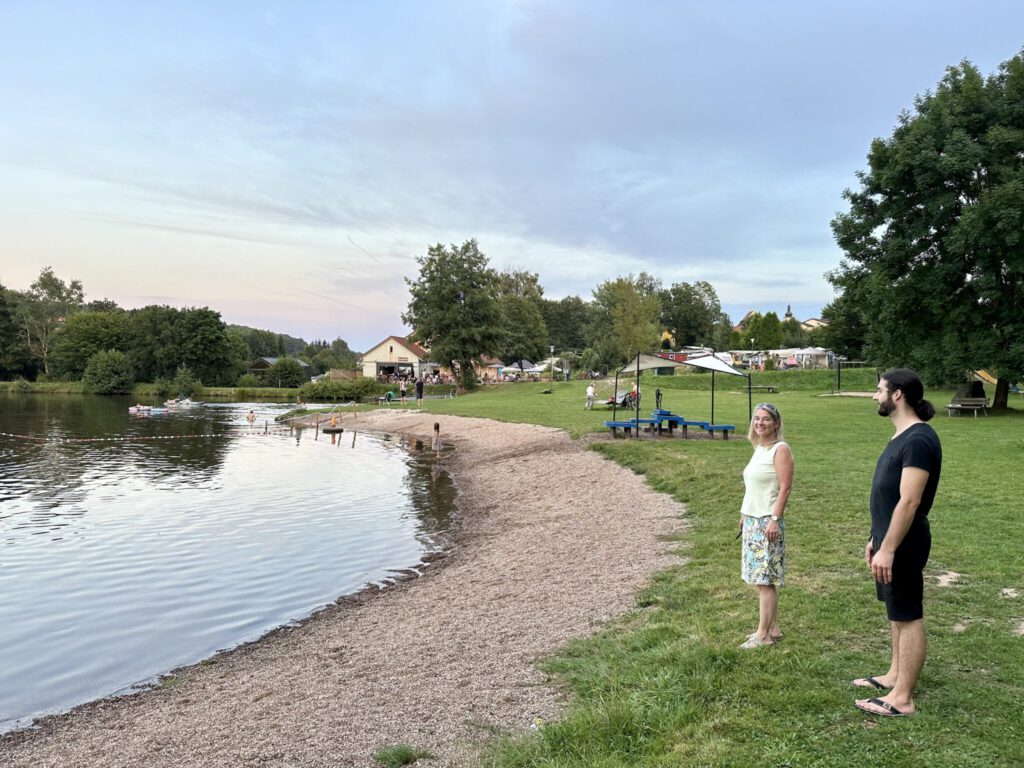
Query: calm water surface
[133,545]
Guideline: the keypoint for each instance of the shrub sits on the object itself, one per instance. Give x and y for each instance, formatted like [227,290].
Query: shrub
[21,384]
[342,390]
[108,373]
[248,381]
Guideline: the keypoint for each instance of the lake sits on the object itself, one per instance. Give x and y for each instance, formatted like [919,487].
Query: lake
[131,545]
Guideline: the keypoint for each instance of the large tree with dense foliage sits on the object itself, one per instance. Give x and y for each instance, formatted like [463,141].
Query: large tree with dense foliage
[453,308]
[14,355]
[763,331]
[161,338]
[689,312]
[934,236]
[205,347]
[626,318]
[524,334]
[83,335]
[42,311]
[153,343]
[567,321]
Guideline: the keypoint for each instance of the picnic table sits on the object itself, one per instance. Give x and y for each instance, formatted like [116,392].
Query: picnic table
[973,404]
[660,420]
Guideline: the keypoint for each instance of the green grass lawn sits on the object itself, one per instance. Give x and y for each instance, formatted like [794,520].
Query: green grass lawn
[667,685]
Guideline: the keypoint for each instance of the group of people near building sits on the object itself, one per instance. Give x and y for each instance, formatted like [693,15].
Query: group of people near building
[902,492]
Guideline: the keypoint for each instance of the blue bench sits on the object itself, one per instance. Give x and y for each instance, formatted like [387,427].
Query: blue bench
[725,429]
[628,426]
[675,420]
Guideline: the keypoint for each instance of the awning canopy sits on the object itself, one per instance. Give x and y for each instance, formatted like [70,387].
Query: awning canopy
[644,362]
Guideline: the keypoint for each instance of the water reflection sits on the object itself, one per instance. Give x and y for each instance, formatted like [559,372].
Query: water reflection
[181,534]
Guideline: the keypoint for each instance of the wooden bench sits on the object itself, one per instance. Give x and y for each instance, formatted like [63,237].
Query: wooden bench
[973,404]
[769,388]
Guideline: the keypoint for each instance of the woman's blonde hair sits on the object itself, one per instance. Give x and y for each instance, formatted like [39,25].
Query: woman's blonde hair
[772,411]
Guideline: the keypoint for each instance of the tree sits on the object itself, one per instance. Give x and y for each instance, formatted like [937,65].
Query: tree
[934,236]
[83,335]
[43,309]
[722,337]
[567,321]
[346,357]
[524,334]
[108,373]
[847,326]
[453,309]
[793,334]
[689,312]
[625,319]
[763,332]
[15,358]
[205,347]
[153,342]
[323,361]
[286,372]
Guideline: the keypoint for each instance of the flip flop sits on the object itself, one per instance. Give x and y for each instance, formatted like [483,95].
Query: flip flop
[888,710]
[868,682]
[754,642]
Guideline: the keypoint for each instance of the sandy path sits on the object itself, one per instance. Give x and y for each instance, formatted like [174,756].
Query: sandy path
[438,662]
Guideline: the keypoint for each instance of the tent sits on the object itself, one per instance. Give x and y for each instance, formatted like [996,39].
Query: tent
[709,362]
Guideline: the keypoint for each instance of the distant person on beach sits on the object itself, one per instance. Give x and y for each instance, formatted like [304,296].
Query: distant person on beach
[768,480]
[435,443]
[402,391]
[590,397]
[419,391]
[902,491]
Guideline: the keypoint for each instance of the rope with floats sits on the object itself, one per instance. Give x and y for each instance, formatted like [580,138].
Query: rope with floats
[238,432]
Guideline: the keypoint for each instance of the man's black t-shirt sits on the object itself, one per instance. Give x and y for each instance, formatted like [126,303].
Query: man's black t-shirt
[917,446]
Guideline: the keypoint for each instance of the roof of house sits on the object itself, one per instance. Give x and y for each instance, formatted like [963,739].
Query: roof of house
[412,346]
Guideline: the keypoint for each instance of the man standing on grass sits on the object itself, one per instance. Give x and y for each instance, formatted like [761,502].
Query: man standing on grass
[902,492]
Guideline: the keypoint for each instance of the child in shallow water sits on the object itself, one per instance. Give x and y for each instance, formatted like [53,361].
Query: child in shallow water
[435,443]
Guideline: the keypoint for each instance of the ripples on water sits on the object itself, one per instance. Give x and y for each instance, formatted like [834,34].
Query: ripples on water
[185,534]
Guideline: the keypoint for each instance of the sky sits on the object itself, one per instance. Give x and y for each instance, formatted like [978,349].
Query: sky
[285,163]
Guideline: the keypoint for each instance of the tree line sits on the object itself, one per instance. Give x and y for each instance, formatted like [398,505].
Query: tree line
[51,332]
[462,309]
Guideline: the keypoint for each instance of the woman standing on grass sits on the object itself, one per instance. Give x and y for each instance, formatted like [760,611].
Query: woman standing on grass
[768,479]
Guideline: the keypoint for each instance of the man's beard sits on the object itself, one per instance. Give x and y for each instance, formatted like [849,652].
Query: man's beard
[886,407]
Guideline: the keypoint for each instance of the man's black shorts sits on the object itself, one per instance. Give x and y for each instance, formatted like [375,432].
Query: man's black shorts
[904,595]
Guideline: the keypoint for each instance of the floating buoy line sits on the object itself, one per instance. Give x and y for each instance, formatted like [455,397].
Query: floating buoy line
[137,438]
[329,426]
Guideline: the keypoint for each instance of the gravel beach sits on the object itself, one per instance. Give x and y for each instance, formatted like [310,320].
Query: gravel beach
[554,541]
